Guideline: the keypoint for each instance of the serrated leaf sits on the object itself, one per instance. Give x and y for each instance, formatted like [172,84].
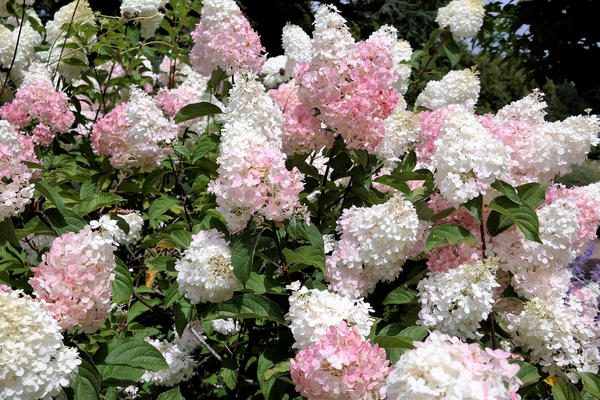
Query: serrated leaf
[242,253]
[304,256]
[521,215]
[173,394]
[120,374]
[417,333]
[182,238]
[97,201]
[533,194]
[7,232]
[452,51]
[280,368]
[87,383]
[394,342]
[159,207]
[134,353]
[507,190]
[400,295]
[196,110]
[249,306]
[448,235]
[122,287]
[475,207]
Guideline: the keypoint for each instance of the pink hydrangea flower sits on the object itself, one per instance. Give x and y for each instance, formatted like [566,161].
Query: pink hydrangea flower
[37,103]
[260,184]
[349,85]
[134,134]
[431,123]
[444,258]
[358,105]
[75,279]
[16,189]
[302,131]
[224,38]
[341,365]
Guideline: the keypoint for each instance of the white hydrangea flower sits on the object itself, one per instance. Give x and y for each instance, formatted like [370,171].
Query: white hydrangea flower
[4,11]
[34,362]
[205,273]
[375,242]
[402,131]
[464,18]
[146,12]
[558,231]
[134,220]
[225,326]
[297,46]
[275,71]
[28,40]
[400,56]
[312,311]
[540,149]
[455,302]
[181,365]
[549,284]
[443,368]
[468,160]
[78,12]
[557,336]
[332,40]
[455,88]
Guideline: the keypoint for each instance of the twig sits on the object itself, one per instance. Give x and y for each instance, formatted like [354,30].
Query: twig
[205,344]
[65,41]
[14,56]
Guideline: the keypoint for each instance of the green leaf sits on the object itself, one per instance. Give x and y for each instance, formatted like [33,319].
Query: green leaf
[507,190]
[299,229]
[7,232]
[280,368]
[87,383]
[452,51]
[242,253]
[122,287]
[394,342]
[159,207]
[173,394]
[521,215]
[475,207]
[417,333]
[565,391]
[134,353]
[248,306]
[400,295]
[533,194]
[70,221]
[591,383]
[182,238]
[229,373]
[304,256]
[448,235]
[528,373]
[196,110]
[119,374]
[97,201]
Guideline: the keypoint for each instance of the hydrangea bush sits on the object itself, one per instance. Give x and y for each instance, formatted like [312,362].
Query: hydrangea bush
[184,216]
